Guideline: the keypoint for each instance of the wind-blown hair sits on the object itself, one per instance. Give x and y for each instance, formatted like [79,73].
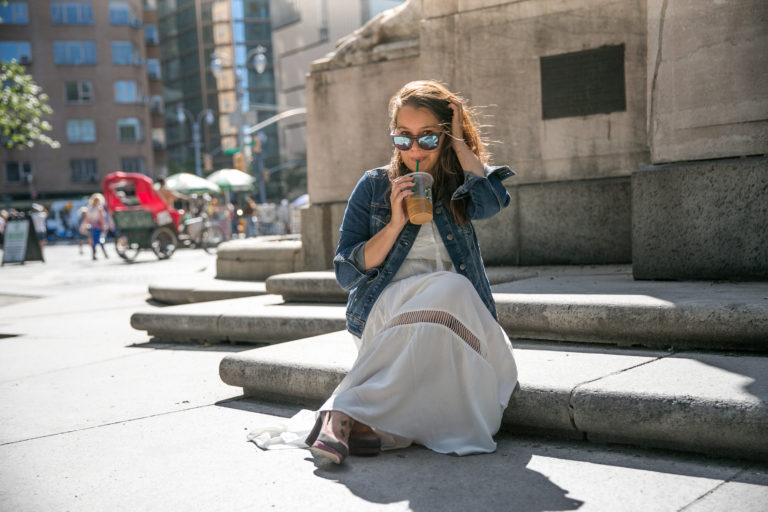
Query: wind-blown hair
[448,174]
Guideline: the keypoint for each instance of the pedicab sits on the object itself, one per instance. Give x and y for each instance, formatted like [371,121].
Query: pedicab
[142,219]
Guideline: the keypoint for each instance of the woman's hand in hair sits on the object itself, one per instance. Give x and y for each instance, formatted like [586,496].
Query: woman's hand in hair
[457,126]
[467,158]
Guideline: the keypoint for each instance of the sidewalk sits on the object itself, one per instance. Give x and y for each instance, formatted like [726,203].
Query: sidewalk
[94,416]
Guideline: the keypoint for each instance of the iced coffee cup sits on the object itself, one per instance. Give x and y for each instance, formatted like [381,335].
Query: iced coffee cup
[419,204]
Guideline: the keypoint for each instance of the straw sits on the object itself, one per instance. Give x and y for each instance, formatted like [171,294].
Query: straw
[417,166]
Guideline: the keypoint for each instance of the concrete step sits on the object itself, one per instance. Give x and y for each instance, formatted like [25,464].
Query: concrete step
[321,286]
[263,319]
[710,403]
[615,309]
[595,304]
[190,291]
[257,258]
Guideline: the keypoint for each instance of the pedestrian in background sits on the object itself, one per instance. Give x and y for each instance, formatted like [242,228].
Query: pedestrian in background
[83,228]
[97,219]
[284,217]
[3,222]
[250,218]
[39,214]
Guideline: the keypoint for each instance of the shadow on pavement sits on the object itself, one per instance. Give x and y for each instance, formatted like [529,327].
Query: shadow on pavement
[206,347]
[428,481]
[432,481]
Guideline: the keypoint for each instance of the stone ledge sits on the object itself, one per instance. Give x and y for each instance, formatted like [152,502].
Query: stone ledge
[321,286]
[257,258]
[615,309]
[646,398]
[203,291]
[263,319]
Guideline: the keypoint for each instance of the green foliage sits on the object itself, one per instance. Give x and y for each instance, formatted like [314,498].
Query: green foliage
[23,105]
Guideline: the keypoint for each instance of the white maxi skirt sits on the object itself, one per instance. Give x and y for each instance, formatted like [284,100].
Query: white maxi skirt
[434,368]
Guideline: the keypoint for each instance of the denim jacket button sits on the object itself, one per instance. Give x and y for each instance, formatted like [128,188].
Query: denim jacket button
[450,236]
[462,266]
[438,210]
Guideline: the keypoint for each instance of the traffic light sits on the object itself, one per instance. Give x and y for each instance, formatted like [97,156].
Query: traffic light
[238,161]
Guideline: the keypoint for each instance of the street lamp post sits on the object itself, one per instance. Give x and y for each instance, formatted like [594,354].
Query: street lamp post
[259,65]
[181,114]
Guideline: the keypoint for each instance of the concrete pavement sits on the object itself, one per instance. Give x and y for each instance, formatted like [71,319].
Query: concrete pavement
[94,416]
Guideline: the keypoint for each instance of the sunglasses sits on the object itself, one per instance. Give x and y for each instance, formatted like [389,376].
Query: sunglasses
[426,142]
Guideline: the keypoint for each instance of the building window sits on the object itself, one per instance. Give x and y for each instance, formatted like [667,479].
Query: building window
[127,91]
[150,5]
[83,171]
[14,13]
[158,138]
[17,172]
[151,36]
[129,129]
[133,164]
[120,13]
[79,92]
[15,50]
[71,13]
[157,105]
[75,53]
[153,69]
[81,130]
[124,53]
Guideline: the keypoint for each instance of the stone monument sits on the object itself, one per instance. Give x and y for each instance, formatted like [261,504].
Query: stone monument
[615,116]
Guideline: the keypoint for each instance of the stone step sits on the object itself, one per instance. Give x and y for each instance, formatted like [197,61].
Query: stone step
[263,319]
[709,403]
[190,291]
[321,286]
[616,309]
[600,304]
[257,258]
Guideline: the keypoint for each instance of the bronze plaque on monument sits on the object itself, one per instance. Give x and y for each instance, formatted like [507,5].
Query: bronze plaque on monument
[583,83]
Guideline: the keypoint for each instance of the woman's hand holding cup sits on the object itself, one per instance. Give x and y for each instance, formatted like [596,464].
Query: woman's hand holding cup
[402,187]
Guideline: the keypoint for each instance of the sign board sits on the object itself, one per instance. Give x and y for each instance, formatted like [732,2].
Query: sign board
[20,243]
[248,118]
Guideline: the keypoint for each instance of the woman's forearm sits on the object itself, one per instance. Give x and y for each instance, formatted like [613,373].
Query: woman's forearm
[376,249]
[468,160]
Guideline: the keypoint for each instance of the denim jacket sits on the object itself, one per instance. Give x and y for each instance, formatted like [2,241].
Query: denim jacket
[369,210]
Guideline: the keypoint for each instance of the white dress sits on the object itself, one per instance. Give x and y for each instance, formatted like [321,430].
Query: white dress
[433,367]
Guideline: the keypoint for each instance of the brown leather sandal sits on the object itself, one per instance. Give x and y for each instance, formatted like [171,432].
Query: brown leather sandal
[324,446]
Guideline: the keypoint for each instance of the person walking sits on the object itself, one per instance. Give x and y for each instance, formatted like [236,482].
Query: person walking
[83,228]
[97,221]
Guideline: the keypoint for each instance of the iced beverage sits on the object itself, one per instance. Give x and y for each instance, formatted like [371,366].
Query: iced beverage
[419,205]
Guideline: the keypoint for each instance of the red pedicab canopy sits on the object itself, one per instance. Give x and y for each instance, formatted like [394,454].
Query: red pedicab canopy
[134,191]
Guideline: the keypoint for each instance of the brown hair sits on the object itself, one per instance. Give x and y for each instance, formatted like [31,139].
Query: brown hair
[435,97]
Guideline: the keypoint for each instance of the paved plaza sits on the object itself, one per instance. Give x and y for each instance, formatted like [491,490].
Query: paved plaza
[96,416]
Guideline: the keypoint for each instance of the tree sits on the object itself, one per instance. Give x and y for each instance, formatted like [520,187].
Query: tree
[23,105]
